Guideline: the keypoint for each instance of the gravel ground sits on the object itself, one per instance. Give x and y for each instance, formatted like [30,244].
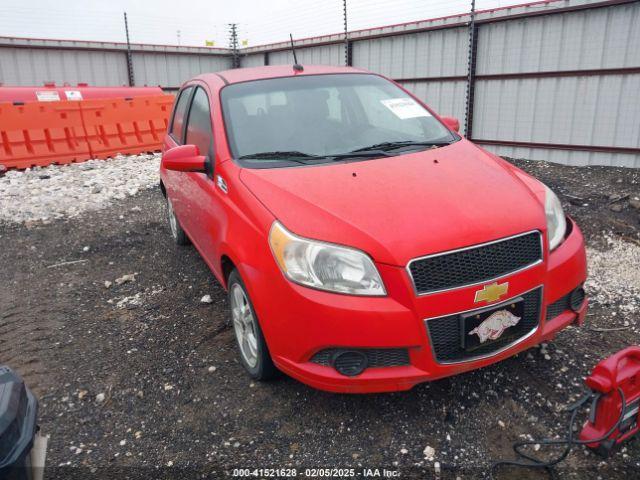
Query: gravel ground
[54,192]
[138,378]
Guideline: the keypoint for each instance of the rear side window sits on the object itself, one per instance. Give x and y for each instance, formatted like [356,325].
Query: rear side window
[179,114]
[199,131]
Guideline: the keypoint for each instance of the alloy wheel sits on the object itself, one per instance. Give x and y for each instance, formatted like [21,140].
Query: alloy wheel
[244,325]
[173,221]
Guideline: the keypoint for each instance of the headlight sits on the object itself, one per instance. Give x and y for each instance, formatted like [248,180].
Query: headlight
[325,266]
[556,221]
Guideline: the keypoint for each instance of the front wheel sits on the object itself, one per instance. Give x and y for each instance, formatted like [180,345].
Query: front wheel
[178,234]
[254,353]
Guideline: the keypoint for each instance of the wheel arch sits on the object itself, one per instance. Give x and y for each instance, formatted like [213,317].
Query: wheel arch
[226,267]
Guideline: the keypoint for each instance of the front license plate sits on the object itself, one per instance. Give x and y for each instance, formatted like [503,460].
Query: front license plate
[489,325]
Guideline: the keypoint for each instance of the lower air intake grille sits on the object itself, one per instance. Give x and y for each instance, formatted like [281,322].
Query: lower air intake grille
[475,264]
[376,357]
[559,306]
[571,301]
[446,332]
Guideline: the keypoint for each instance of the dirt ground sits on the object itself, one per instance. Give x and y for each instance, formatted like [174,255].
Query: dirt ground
[141,379]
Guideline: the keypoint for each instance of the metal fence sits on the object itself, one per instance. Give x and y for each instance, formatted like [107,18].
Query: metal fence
[554,80]
[26,61]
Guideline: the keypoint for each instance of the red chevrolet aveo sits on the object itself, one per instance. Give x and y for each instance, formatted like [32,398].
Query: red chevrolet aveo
[365,245]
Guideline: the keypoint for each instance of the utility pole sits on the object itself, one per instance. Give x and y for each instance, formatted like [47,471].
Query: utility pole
[132,81]
[471,71]
[178,35]
[347,43]
[233,44]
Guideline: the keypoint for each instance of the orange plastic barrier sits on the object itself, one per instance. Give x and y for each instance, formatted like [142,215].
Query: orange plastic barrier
[125,126]
[41,134]
[38,133]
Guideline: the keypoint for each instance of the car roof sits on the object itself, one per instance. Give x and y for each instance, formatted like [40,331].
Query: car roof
[273,71]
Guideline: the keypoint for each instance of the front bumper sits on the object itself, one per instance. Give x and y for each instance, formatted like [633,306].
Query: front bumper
[298,322]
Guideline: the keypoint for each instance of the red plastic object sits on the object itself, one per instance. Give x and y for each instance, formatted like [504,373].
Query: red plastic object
[52,93]
[619,371]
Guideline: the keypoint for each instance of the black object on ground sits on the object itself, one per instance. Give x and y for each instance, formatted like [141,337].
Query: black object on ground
[18,413]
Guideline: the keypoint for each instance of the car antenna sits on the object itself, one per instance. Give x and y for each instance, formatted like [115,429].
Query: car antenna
[296,66]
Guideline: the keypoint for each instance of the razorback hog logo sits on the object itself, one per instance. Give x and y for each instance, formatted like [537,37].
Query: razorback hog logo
[494,325]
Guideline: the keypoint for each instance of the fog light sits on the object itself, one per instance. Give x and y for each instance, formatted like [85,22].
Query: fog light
[576,299]
[349,362]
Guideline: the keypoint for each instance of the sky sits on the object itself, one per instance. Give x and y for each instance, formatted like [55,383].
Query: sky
[202,22]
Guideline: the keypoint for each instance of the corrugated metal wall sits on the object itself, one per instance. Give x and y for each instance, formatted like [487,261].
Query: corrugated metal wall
[576,105]
[170,70]
[253,60]
[589,39]
[321,55]
[438,53]
[25,62]
[32,66]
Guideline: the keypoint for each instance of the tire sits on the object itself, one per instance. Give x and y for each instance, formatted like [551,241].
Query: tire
[178,234]
[252,348]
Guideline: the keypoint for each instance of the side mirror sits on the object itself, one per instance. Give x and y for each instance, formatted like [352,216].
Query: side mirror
[452,122]
[185,158]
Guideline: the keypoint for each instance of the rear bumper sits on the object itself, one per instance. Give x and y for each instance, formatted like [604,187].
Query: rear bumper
[298,322]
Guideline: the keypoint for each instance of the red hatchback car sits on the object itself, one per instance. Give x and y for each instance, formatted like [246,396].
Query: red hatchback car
[365,245]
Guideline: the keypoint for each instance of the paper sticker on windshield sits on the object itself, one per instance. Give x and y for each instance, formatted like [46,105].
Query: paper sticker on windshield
[404,108]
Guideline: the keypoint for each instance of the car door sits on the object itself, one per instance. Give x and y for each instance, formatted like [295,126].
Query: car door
[174,182]
[205,209]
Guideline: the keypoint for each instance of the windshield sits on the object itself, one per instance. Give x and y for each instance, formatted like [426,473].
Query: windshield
[321,118]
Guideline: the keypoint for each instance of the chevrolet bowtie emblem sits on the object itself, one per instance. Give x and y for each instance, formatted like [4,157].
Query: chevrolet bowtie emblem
[491,293]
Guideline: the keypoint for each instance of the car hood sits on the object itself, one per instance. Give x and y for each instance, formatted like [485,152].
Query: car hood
[402,207]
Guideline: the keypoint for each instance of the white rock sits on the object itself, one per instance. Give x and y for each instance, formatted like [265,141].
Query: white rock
[129,277]
[100,397]
[206,299]
[436,468]
[429,453]
[212,369]
[107,284]
[404,451]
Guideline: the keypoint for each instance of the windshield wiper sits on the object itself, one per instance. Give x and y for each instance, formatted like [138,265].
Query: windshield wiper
[400,144]
[286,156]
[277,155]
[358,154]
[307,158]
